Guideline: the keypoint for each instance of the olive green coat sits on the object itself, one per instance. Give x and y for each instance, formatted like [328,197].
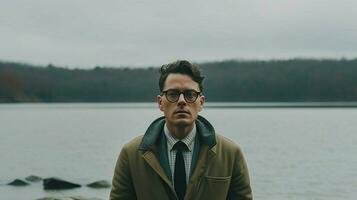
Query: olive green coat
[220,171]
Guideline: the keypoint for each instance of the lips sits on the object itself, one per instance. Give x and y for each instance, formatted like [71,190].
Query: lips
[182,112]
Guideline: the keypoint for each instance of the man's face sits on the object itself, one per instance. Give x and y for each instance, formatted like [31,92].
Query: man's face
[180,113]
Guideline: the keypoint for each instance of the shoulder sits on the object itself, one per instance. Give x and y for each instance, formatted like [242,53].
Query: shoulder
[228,149]
[227,145]
[133,144]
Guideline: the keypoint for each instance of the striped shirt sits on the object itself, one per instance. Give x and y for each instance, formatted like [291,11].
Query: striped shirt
[189,140]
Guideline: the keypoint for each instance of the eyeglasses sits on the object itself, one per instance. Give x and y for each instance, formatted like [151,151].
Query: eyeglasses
[173,95]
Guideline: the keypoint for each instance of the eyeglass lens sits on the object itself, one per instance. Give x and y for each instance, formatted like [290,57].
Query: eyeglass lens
[174,95]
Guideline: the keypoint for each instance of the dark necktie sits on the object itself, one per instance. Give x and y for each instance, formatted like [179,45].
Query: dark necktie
[179,173]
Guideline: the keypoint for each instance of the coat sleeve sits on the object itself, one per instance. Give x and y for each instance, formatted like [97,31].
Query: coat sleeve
[240,188]
[122,183]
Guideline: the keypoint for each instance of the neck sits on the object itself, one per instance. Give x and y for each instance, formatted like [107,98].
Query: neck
[179,132]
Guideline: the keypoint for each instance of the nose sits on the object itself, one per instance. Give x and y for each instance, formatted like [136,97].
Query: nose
[181,99]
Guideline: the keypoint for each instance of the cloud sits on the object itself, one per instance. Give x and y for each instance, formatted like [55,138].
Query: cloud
[78,33]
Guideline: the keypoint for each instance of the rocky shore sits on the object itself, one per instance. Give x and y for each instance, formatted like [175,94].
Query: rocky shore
[53,183]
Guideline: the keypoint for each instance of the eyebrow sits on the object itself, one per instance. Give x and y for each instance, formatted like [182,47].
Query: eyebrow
[182,90]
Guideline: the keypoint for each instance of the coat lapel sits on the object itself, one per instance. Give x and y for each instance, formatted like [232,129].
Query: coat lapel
[205,157]
[163,157]
[150,157]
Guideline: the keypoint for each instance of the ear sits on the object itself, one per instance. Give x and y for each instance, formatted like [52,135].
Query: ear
[202,101]
[159,102]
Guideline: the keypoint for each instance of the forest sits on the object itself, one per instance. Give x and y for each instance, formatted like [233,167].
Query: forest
[292,80]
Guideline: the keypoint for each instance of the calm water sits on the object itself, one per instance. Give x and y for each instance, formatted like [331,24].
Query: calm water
[292,153]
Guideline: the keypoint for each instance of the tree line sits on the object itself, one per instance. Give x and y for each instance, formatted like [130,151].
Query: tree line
[294,80]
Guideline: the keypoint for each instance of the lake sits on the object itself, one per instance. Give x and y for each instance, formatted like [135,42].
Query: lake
[292,153]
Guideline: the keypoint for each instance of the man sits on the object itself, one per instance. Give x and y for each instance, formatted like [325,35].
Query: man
[180,156]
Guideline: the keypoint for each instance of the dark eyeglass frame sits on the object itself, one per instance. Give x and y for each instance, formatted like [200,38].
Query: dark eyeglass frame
[185,94]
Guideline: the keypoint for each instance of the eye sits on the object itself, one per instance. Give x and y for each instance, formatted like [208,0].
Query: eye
[172,93]
[190,94]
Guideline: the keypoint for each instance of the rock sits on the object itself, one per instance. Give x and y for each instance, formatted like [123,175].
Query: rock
[55,198]
[69,198]
[100,184]
[18,182]
[33,178]
[58,184]
[84,198]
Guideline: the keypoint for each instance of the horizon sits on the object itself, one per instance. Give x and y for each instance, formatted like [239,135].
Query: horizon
[200,63]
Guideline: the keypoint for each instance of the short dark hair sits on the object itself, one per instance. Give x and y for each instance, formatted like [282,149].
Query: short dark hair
[181,67]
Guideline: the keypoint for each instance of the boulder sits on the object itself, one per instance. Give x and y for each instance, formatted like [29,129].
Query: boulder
[69,198]
[18,182]
[33,178]
[99,184]
[84,198]
[55,198]
[58,184]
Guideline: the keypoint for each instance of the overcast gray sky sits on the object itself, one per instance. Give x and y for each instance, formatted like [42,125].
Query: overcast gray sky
[82,33]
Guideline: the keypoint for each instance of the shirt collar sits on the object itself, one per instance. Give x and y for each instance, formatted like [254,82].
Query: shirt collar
[188,140]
